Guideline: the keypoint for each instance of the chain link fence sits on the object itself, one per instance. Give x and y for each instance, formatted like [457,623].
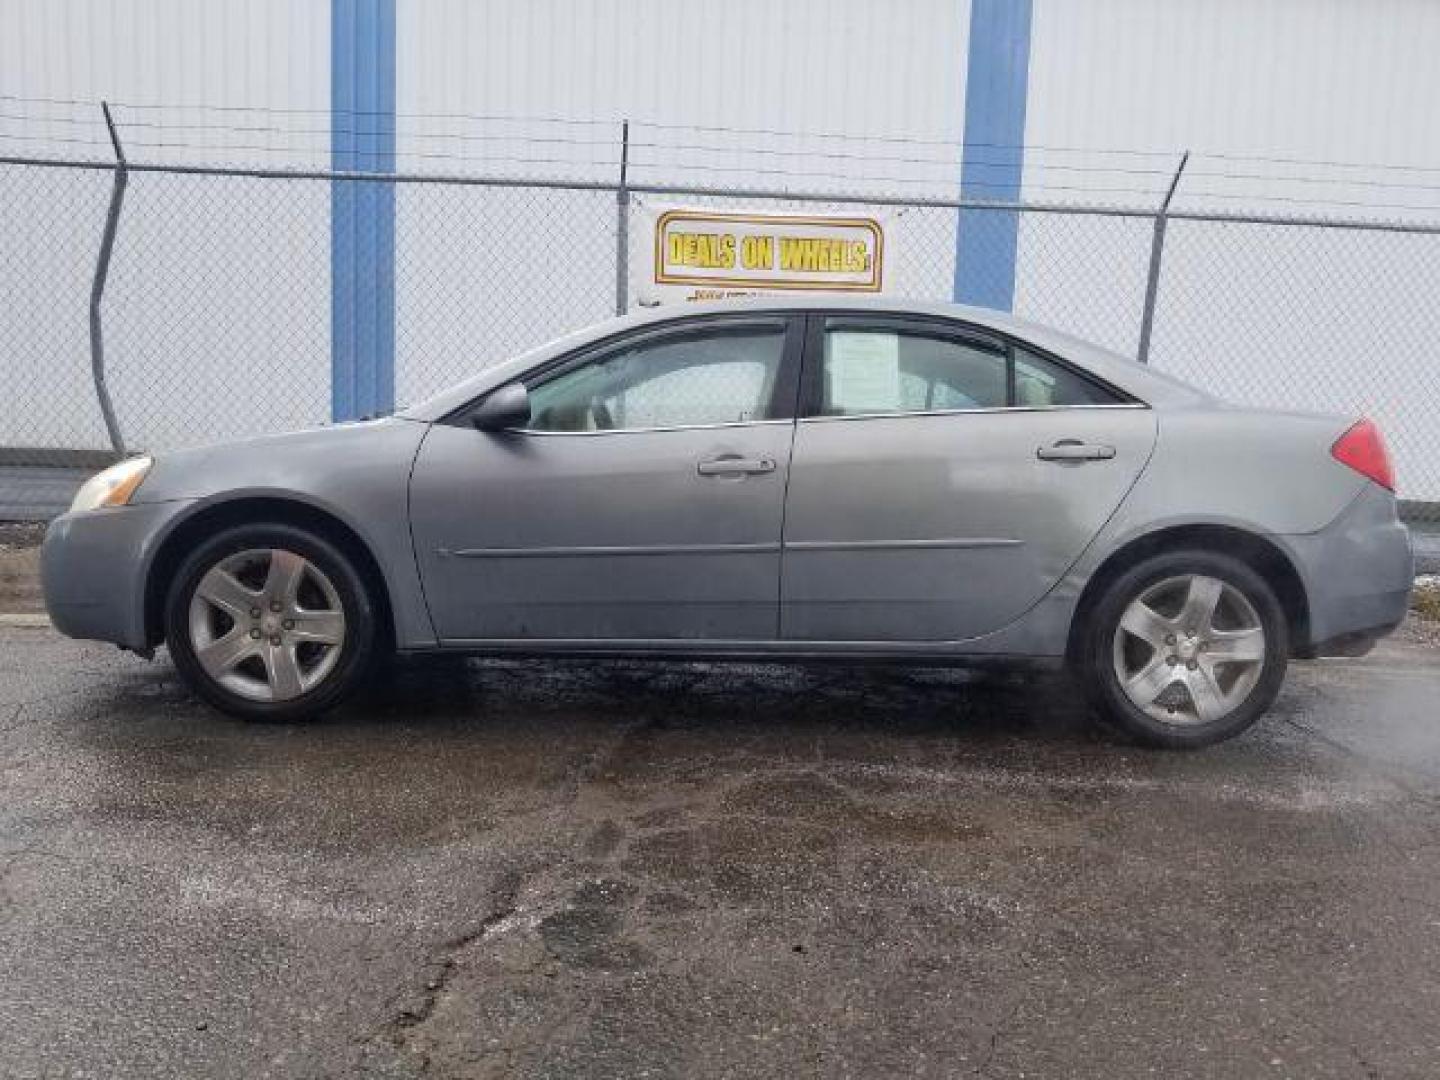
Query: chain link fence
[50,226]
[484,272]
[217,321]
[217,308]
[1312,318]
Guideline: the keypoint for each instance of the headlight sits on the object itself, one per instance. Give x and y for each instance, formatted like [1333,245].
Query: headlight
[114,486]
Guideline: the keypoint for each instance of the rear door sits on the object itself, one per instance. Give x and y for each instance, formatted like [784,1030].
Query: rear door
[942,479]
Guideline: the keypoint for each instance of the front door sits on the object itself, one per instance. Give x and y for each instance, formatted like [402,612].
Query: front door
[642,502]
[943,480]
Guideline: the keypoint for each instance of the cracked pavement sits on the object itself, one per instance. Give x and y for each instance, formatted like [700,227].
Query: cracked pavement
[529,869]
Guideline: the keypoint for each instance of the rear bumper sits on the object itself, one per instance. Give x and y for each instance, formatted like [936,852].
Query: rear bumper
[93,569]
[1358,572]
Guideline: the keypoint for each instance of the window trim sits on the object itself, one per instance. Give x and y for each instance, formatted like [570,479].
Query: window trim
[936,326]
[820,419]
[540,433]
[784,396]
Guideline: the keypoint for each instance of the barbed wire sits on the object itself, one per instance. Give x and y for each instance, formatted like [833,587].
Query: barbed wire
[152,131]
[615,122]
[640,122]
[1291,200]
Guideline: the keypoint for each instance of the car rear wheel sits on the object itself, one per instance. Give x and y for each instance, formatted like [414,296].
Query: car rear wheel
[270,622]
[1185,649]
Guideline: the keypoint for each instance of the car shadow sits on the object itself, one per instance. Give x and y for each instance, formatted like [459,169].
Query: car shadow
[445,691]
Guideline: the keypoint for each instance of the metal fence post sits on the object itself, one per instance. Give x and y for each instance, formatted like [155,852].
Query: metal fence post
[1157,249]
[622,225]
[97,286]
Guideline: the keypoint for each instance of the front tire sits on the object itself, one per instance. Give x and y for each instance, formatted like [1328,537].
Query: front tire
[270,622]
[1185,649]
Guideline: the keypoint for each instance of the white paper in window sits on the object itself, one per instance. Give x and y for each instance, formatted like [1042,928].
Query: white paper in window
[864,371]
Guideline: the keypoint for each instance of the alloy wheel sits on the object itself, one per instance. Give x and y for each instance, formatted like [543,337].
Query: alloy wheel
[267,624]
[1189,649]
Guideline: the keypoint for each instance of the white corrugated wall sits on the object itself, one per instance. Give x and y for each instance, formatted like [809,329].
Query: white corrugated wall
[705,87]
[199,325]
[238,318]
[1264,94]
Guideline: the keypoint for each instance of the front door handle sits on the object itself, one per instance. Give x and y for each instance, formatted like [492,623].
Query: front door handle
[735,466]
[1075,450]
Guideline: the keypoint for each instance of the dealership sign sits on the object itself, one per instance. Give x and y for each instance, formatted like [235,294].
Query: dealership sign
[695,254]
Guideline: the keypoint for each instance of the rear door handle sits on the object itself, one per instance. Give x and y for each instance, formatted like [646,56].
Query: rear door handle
[1075,450]
[735,466]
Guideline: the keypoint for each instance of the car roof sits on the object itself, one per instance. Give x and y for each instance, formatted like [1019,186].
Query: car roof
[1139,381]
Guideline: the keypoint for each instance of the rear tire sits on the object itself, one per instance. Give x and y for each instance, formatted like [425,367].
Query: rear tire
[271,623]
[1184,649]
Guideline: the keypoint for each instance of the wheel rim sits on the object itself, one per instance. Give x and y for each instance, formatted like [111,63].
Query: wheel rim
[1189,650]
[267,624]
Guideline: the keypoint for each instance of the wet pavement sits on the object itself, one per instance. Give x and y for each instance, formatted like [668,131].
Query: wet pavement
[492,869]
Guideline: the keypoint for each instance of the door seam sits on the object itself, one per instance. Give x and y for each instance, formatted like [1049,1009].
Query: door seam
[800,373]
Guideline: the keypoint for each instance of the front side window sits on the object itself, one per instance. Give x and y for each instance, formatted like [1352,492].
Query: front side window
[711,376]
[896,371]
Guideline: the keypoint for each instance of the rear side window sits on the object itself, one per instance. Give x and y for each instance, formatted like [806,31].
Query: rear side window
[885,368]
[875,370]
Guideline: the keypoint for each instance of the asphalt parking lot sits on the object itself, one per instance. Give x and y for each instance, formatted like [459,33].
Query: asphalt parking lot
[591,870]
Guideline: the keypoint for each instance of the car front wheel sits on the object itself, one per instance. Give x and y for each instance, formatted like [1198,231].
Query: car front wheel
[1185,649]
[270,622]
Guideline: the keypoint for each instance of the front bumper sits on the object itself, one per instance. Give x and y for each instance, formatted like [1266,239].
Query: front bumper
[94,566]
[1358,573]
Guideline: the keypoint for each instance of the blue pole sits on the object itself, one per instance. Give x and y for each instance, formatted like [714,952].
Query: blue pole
[992,161]
[362,214]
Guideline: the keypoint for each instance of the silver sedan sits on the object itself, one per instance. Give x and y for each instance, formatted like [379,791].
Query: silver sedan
[788,480]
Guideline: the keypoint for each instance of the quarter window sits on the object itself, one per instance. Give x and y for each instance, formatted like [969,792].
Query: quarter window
[1041,384]
[713,376]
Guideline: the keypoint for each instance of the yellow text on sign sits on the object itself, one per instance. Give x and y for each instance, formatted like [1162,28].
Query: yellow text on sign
[812,254]
[710,251]
[823,255]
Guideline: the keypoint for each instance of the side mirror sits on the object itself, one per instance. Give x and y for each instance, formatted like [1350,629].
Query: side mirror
[505,407]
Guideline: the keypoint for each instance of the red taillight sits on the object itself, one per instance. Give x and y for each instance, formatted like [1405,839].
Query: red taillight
[1363,449]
